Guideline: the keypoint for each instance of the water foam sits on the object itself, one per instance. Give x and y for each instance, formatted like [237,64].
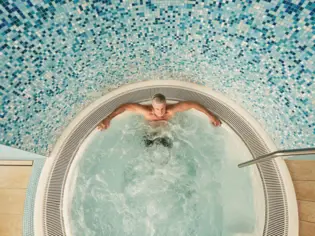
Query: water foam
[126,189]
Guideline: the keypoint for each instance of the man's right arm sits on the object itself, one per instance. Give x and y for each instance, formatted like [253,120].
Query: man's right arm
[133,107]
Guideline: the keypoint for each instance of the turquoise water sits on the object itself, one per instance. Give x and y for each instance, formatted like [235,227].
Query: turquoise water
[193,188]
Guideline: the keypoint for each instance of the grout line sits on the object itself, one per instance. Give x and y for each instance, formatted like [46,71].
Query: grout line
[304,180]
[305,200]
[11,214]
[308,221]
[13,188]
[14,165]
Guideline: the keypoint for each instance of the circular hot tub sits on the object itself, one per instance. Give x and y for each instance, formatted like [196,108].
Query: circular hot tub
[273,186]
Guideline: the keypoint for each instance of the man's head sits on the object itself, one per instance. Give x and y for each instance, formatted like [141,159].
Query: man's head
[159,104]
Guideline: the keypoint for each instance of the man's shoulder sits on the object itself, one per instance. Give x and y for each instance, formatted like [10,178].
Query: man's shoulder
[177,107]
[136,105]
[172,107]
[149,107]
[143,107]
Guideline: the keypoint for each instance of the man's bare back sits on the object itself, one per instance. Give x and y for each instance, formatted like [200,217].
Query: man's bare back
[158,111]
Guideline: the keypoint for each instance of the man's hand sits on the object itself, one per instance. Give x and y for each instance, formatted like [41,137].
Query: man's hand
[104,124]
[215,121]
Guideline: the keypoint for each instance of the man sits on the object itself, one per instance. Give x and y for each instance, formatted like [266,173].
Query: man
[158,111]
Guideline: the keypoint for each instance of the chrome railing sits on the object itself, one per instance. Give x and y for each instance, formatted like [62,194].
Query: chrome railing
[280,153]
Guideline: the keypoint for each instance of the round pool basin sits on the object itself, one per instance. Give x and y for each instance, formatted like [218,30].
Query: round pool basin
[273,186]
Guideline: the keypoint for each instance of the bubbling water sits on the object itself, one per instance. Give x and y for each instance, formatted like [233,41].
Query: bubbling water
[127,188]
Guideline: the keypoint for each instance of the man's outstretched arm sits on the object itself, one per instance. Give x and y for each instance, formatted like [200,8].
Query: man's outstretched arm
[184,106]
[137,108]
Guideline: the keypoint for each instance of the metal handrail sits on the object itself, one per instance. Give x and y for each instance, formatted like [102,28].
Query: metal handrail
[280,153]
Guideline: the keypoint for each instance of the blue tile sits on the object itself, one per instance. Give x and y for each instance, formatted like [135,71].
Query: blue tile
[51,49]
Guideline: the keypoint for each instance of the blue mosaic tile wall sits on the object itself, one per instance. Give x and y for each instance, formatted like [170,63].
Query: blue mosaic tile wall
[58,56]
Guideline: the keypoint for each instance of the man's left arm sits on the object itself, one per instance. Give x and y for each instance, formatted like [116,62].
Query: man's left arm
[185,106]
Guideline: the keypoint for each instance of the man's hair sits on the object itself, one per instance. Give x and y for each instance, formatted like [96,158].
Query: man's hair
[159,98]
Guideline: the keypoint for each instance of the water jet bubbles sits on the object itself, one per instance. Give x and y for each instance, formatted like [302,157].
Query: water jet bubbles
[151,209]
[153,190]
[159,155]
